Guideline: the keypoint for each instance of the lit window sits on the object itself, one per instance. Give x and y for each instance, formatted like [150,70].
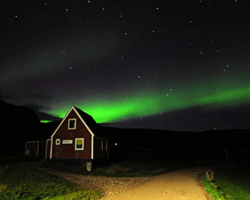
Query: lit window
[79,144]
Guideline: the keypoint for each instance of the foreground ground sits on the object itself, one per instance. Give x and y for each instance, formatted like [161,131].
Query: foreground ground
[177,183]
[182,184]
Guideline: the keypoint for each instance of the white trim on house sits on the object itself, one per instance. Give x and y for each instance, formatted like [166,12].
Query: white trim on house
[85,124]
[76,144]
[61,122]
[51,147]
[58,141]
[92,147]
[72,119]
[92,134]
[46,148]
[67,141]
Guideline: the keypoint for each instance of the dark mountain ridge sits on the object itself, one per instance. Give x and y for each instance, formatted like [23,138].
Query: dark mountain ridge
[232,140]
[20,124]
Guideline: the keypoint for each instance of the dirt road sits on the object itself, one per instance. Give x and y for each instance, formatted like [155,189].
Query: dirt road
[183,184]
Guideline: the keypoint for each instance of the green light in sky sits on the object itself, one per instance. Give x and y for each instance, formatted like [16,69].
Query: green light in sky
[227,98]
[45,121]
[150,103]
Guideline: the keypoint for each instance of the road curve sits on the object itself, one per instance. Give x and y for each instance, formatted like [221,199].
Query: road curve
[184,184]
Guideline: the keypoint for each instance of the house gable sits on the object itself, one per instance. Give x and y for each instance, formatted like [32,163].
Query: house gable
[79,128]
[92,124]
[66,116]
[65,135]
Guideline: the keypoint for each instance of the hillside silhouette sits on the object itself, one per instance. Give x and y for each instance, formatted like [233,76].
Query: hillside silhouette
[20,124]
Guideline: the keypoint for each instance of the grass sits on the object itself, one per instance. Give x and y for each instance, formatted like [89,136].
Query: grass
[28,183]
[228,182]
[4,159]
[136,164]
[222,183]
[121,169]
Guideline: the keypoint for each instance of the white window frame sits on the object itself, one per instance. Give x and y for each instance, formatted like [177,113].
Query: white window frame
[77,149]
[58,141]
[71,119]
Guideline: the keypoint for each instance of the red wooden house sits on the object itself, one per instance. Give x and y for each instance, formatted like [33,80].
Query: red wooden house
[78,140]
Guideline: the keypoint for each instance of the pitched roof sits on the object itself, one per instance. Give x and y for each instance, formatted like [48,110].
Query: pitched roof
[95,128]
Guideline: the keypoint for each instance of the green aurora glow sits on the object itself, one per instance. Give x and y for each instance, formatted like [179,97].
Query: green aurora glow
[143,103]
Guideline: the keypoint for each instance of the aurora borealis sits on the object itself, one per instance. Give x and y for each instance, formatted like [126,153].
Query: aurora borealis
[133,64]
[151,103]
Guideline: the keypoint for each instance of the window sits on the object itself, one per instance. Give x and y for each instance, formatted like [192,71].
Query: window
[101,145]
[57,141]
[72,124]
[106,146]
[79,144]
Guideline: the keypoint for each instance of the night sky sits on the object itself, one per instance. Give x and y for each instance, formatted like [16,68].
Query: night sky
[172,65]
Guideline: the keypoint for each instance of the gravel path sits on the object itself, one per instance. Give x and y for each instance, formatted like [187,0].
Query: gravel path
[109,186]
[184,184]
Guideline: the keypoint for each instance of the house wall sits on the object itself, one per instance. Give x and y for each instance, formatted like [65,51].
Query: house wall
[41,152]
[32,146]
[100,153]
[67,151]
[37,148]
[47,152]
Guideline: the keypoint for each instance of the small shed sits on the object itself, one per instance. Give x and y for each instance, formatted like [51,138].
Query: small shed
[35,148]
[78,140]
